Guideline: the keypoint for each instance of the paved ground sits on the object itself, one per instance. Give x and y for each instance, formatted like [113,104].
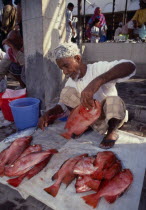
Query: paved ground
[133,92]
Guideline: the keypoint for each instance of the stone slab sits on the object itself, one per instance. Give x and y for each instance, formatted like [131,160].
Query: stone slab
[129,148]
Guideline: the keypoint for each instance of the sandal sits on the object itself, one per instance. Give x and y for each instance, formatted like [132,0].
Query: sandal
[108,143]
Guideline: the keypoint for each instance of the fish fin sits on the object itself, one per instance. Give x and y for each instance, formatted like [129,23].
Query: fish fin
[110,199]
[68,179]
[1,170]
[55,176]
[91,199]
[52,190]
[16,181]
[93,184]
[52,151]
[66,135]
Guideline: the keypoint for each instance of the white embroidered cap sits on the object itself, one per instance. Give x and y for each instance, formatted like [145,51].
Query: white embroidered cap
[65,50]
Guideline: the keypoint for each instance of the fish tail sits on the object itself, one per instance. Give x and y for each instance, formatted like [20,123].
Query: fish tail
[66,135]
[16,181]
[91,199]
[52,190]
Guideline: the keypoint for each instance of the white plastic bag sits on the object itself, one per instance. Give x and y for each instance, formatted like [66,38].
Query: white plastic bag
[9,93]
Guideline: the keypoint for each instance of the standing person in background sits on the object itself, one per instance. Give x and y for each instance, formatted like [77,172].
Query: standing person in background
[8,19]
[139,19]
[70,32]
[97,15]
[95,32]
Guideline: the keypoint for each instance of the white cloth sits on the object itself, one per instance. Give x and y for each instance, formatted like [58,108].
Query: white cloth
[2,54]
[95,30]
[95,70]
[68,19]
[68,36]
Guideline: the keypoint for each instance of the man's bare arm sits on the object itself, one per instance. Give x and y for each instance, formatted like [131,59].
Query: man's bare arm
[119,71]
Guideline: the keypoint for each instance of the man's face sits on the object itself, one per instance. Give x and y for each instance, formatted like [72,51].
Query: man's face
[98,10]
[70,66]
[71,8]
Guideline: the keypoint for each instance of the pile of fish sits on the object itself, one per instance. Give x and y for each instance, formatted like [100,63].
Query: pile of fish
[22,160]
[102,174]
[80,119]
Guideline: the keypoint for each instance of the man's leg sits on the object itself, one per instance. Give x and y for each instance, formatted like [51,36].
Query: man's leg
[114,111]
[68,36]
[111,136]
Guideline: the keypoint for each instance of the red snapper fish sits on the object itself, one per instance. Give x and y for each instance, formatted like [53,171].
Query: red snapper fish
[35,170]
[13,152]
[65,175]
[103,161]
[25,163]
[85,166]
[30,149]
[80,119]
[111,189]
[109,173]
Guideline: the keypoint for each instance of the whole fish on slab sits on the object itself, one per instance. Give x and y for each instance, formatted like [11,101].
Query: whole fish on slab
[80,119]
[103,161]
[13,152]
[85,166]
[35,170]
[65,175]
[112,189]
[30,149]
[25,163]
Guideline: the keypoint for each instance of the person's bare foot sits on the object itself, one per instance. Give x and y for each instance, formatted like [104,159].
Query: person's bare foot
[109,140]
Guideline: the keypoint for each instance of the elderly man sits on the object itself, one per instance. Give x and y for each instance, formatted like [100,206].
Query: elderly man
[13,60]
[89,82]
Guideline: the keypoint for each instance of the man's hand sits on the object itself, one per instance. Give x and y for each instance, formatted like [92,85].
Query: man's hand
[50,116]
[87,95]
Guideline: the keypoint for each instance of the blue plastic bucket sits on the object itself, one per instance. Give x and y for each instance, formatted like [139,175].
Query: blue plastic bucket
[25,112]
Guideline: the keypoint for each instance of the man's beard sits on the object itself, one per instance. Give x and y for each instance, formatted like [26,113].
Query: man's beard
[77,77]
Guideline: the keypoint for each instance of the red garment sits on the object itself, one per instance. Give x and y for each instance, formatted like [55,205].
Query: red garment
[11,55]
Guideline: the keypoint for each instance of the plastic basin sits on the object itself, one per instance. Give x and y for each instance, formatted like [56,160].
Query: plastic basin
[25,112]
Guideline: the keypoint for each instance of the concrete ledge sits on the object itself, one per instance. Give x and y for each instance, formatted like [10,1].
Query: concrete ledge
[137,112]
[93,52]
